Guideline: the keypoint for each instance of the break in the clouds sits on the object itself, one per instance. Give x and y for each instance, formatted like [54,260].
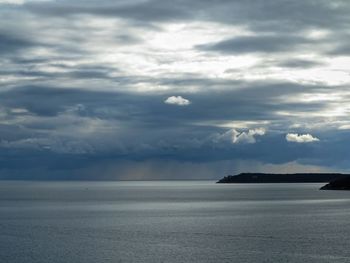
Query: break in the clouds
[155,89]
[301,138]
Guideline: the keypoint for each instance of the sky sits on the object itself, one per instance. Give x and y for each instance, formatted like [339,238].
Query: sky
[173,89]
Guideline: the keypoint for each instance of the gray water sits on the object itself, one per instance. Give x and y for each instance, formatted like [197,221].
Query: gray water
[192,221]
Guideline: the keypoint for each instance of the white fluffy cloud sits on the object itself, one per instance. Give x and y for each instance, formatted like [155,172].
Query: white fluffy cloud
[302,138]
[177,100]
[247,137]
[235,136]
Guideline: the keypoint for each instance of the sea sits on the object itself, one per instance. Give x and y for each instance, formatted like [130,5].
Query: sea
[172,221]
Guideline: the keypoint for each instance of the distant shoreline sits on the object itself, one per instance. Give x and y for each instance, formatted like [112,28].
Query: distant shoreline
[244,178]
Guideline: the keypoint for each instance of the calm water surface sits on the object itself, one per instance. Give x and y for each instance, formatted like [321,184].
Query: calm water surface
[192,221]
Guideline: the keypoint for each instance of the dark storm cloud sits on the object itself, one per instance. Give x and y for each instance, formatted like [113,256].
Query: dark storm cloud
[50,101]
[30,68]
[267,15]
[11,43]
[137,10]
[43,164]
[249,101]
[279,16]
[78,74]
[128,39]
[151,128]
[249,44]
[150,111]
[299,63]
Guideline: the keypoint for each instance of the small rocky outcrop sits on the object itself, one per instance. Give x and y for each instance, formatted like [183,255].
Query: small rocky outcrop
[338,184]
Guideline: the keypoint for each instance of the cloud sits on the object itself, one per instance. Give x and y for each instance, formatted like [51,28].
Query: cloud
[12,1]
[299,63]
[247,137]
[90,82]
[11,43]
[302,138]
[177,100]
[149,11]
[344,127]
[50,144]
[257,43]
[235,137]
[267,16]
